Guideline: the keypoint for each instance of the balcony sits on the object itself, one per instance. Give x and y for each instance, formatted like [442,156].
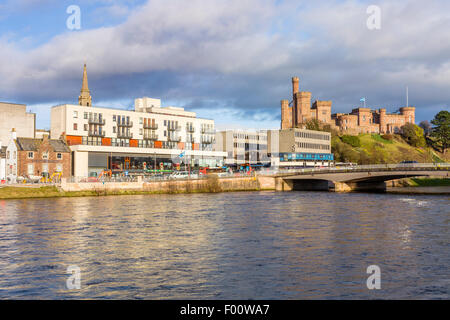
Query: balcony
[190,140]
[174,138]
[125,135]
[93,133]
[150,136]
[207,131]
[174,128]
[207,140]
[126,124]
[98,121]
[152,126]
[190,129]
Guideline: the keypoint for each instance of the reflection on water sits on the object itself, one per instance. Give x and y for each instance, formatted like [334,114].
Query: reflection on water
[268,245]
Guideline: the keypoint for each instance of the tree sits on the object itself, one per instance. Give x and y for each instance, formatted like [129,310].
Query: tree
[426,126]
[313,124]
[413,135]
[441,129]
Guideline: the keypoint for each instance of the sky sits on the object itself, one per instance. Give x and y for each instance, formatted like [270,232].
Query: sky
[227,60]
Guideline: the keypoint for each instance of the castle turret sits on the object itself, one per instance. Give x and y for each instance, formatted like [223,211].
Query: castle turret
[409,113]
[286,115]
[383,127]
[295,86]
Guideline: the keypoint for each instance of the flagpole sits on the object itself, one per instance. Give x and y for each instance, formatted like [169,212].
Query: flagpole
[407,97]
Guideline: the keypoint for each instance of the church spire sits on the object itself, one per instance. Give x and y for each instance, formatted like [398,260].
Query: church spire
[85,98]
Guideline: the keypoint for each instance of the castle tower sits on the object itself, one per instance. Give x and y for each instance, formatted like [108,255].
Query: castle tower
[409,114]
[295,86]
[303,105]
[286,115]
[383,127]
[85,98]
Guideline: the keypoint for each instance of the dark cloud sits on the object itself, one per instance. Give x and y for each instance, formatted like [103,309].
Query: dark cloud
[241,55]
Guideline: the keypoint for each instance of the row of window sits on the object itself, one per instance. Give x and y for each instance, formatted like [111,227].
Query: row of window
[44,168]
[306,145]
[310,135]
[30,155]
[249,136]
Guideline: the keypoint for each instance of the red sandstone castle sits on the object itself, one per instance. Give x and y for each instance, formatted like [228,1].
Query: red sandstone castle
[360,120]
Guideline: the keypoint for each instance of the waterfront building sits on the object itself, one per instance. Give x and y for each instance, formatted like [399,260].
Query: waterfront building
[133,141]
[295,147]
[296,113]
[243,147]
[15,116]
[286,148]
[37,157]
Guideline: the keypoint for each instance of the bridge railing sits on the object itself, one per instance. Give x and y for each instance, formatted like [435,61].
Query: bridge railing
[366,168]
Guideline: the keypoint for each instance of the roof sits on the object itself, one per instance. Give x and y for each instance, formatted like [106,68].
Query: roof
[30,144]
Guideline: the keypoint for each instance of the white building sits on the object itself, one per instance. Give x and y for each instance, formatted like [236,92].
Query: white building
[149,137]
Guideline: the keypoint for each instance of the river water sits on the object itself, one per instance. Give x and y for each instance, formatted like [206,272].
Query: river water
[246,245]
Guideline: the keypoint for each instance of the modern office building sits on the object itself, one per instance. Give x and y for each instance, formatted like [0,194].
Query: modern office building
[243,147]
[149,137]
[294,148]
[287,148]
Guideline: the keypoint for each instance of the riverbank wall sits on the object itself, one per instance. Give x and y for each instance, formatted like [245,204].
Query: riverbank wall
[211,184]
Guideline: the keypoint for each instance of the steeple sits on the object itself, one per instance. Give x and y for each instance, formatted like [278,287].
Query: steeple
[85,98]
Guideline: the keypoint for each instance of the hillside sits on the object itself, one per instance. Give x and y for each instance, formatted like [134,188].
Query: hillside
[375,149]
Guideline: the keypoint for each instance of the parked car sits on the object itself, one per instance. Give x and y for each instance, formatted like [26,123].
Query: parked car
[183,175]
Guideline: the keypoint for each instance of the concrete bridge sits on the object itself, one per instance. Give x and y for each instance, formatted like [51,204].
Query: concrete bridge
[355,178]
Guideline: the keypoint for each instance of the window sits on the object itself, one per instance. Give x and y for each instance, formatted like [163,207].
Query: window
[140,131]
[30,155]
[140,120]
[165,123]
[59,156]
[30,169]
[45,167]
[114,118]
[59,167]
[85,127]
[75,126]
[45,155]
[75,114]
[85,115]
[114,129]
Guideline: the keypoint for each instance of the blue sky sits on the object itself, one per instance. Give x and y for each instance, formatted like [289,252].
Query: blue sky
[230,60]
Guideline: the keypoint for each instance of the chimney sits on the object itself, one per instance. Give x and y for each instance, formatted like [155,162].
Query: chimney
[295,86]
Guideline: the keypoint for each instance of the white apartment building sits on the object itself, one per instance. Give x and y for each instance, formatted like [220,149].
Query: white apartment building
[150,137]
[134,142]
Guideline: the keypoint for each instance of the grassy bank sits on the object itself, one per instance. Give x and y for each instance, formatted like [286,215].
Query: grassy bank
[428,182]
[376,149]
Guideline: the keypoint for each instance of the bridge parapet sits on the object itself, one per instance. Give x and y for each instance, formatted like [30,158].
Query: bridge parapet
[366,168]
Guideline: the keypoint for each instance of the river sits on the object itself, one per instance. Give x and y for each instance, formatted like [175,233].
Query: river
[243,245]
